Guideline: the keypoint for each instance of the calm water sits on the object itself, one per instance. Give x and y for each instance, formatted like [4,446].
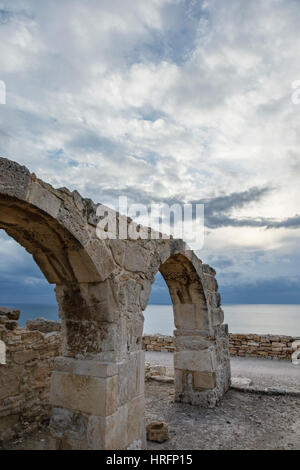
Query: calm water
[263,319]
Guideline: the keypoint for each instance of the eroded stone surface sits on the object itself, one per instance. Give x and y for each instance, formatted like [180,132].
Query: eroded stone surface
[25,378]
[102,288]
[43,325]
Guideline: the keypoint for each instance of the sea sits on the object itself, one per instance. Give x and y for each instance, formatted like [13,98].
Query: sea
[252,318]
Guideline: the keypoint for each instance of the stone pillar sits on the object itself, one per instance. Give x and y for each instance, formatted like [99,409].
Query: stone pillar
[202,367]
[98,406]
[201,360]
[195,368]
[97,387]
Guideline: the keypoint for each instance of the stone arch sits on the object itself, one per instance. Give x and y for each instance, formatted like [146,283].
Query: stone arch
[102,288]
[52,246]
[55,225]
[201,359]
[187,293]
[58,228]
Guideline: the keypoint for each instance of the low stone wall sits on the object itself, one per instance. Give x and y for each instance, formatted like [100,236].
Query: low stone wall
[158,343]
[25,376]
[268,346]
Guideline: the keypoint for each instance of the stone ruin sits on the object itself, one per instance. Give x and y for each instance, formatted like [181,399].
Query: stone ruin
[26,365]
[102,287]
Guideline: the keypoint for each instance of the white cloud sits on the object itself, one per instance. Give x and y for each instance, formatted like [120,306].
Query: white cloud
[169,97]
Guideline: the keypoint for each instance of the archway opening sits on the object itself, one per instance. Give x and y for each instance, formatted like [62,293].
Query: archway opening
[158,342]
[22,284]
[29,349]
[199,343]
[159,317]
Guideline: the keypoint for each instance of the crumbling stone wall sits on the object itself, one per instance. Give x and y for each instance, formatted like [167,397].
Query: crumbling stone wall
[158,343]
[268,346]
[25,378]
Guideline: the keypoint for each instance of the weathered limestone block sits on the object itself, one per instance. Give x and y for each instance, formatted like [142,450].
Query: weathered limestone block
[88,394]
[145,293]
[118,249]
[101,257]
[210,283]
[203,360]
[136,258]
[108,433]
[43,325]
[217,316]
[136,423]
[191,316]
[157,431]
[14,179]
[85,367]
[131,375]
[68,424]
[41,197]
[208,270]
[240,382]
[204,380]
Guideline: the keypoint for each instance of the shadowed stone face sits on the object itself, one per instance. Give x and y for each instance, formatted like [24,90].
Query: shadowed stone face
[102,288]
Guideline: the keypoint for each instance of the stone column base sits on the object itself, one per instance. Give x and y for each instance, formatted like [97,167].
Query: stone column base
[97,406]
[202,367]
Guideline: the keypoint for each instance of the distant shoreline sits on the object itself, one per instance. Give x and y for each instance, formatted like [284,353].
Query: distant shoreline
[278,319]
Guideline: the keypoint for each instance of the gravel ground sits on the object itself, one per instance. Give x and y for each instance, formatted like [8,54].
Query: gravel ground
[37,441]
[242,421]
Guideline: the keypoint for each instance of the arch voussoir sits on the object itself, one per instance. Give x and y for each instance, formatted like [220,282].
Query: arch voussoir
[102,288]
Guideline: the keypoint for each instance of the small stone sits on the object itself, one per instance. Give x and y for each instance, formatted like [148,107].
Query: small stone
[157,431]
[240,382]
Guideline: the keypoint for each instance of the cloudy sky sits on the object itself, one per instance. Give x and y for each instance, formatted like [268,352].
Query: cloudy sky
[163,100]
